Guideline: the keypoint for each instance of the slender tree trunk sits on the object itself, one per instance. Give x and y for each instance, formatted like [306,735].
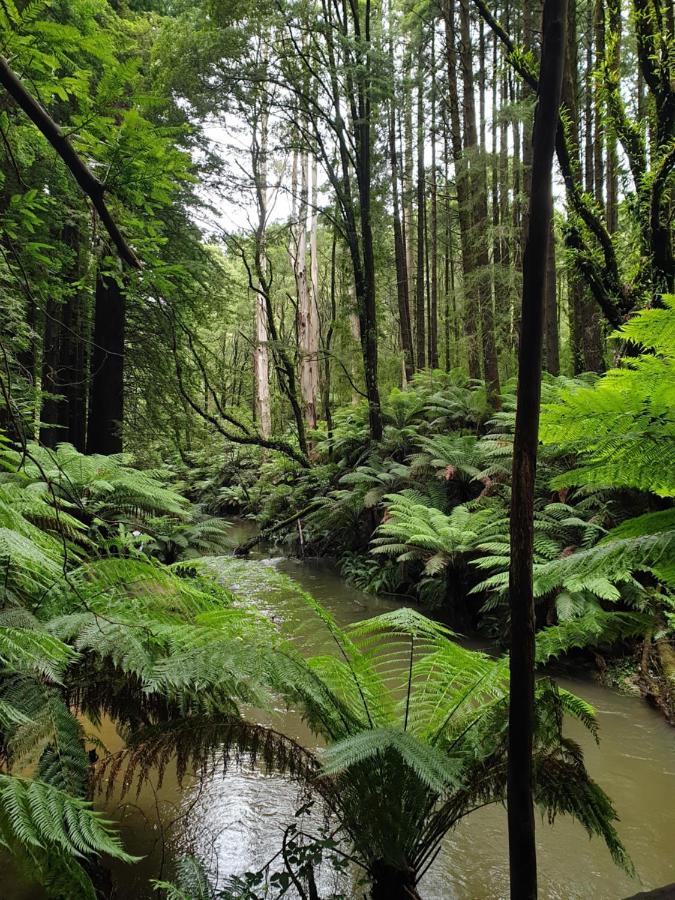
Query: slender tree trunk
[399,242]
[313,321]
[106,396]
[612,155]
[64,375]
[50,413]
[479,231]
[552,356]
[408,182]
[261,362]
[522,851]
[463,188]
[433,305]
[304,325]
[599,136]
[421,215]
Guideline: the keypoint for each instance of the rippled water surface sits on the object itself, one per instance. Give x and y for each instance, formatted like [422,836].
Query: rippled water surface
[235,819]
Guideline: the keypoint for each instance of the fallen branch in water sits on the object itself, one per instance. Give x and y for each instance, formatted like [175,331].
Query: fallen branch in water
[245,548]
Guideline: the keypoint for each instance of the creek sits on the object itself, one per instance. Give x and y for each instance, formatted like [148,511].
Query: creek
[234,820]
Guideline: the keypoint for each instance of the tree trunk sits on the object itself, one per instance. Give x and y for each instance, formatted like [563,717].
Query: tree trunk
[612,156]
[304,324]
[421,215]
[552,357]
[313,336]
[522,851]
[399,241]
[106,395]
[390,883]
[64,374]
[479,231]
[261,361]
[463,188]
[433,305]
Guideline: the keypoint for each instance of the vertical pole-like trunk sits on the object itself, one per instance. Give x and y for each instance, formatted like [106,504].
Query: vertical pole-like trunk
[448,284]
[304,326]
[408,181]
[614,10]
[463,187]
[585,337]
[552,356]
[479,231]
[522,850]
[63,415]
[52,401]
[106,395]
[261,361]
[433,305]
[313,337]
[399,236]
[421,215]
[599,134]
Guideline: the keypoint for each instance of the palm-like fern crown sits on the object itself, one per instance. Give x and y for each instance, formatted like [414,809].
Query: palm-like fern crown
[416,726]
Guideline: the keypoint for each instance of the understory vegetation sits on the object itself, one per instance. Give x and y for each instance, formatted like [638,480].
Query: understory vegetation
[387,285]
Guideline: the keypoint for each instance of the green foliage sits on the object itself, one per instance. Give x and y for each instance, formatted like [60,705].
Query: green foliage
[622,429]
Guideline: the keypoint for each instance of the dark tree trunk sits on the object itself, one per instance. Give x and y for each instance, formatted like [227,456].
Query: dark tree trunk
[63,414]
[463,194]
[433,304]
[552,358]
[522,851]
[50,414]
[390,883]
[421,219]
[479,231]
[399,251]
[106,396]
[612,156]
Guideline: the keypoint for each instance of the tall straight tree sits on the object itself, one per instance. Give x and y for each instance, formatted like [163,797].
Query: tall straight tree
[420,331]
[478,209]
[261,360]
[522,851]
[463,190]
[400,257]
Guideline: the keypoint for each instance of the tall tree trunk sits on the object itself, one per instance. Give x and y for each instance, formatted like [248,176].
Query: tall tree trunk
[479,231]
[261,361]
[421,215]
[106,395]
[586,341]
[552,356]
[64,374]
[599,135]
[612,155]
[304,325]
[408,182]
[399,240]
[522,850]
[313,336]
[50,415]
[463,188]
[433,305]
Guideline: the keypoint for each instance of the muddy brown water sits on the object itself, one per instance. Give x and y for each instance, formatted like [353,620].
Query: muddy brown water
[234,820]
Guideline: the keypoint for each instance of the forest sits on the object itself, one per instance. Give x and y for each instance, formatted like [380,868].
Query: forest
[337,449]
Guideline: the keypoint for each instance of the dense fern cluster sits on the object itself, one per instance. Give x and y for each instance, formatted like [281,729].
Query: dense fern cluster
[91,621]
[426,511]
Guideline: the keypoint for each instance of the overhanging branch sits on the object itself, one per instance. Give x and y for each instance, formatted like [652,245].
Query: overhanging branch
[81,172]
